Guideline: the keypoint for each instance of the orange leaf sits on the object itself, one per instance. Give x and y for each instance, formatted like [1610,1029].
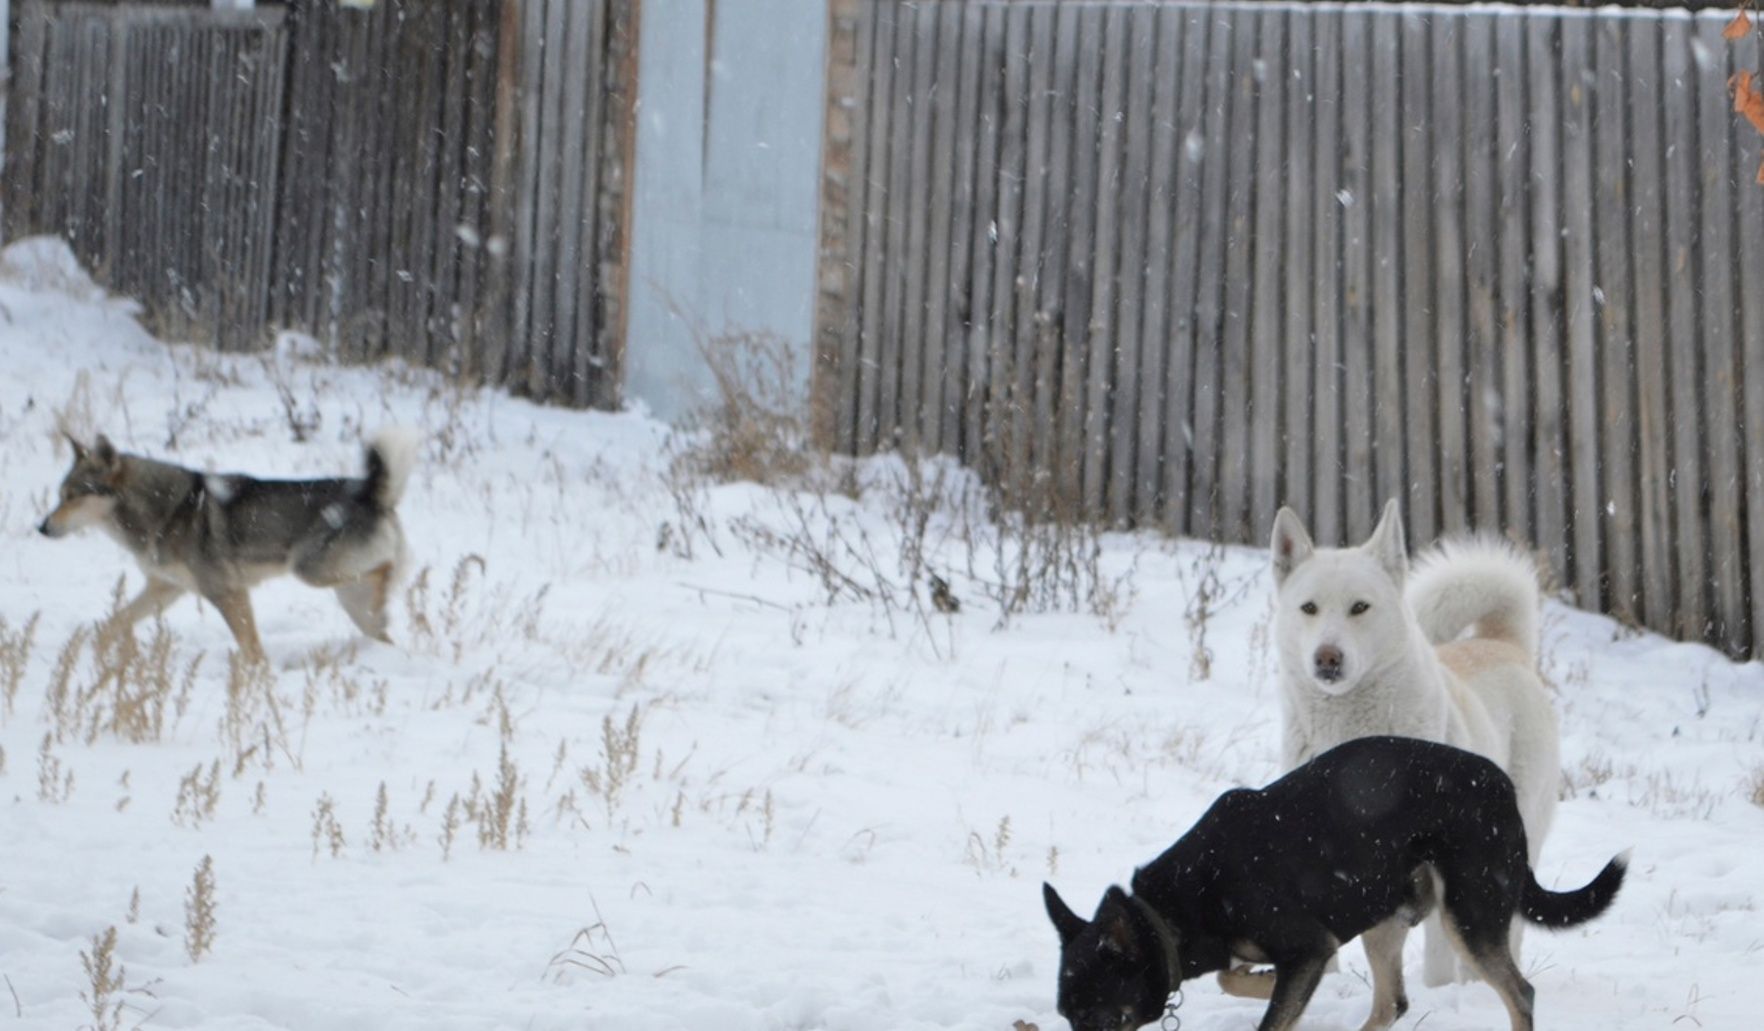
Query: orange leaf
[1747,100]
[1739,26]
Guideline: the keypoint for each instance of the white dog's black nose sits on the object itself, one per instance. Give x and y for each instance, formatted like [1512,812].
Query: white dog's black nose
[1328,661]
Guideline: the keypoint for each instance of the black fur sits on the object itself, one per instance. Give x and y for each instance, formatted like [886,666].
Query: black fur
[1291,872]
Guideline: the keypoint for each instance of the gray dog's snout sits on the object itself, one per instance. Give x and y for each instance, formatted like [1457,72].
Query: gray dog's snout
[1328,660]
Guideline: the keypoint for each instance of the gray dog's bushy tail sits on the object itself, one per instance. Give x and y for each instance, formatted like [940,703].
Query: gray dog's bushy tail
[390,456]
[1559,909]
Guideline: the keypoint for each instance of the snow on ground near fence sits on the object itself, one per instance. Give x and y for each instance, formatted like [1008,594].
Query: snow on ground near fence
[726,803]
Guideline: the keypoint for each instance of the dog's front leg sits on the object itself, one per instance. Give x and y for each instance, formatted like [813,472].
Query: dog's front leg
[152,600]
[1294,982]
[235,608]
[1384,951]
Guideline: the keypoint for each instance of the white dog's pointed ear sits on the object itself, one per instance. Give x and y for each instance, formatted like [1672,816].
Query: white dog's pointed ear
[1066,922]
[1387,544]
[1291,546]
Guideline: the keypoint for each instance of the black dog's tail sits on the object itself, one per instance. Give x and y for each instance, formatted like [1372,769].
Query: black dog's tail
[1558,909]
[389,457]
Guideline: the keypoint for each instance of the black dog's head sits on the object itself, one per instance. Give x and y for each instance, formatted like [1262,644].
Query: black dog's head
[1114,969]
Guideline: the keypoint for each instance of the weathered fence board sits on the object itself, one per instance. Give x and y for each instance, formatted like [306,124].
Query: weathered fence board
[326,169]
[1226,256]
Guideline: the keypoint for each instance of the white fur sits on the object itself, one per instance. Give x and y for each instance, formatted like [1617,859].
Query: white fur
[1394,673]
[397,447]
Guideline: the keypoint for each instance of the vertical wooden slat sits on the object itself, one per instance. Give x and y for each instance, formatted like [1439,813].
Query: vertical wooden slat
[1134,346]
[1420,348]
[1033,331]
[1685,476]
[1302,108]
[1179,370]
[899,202]
[944,227]
[553,85]
[449,177]
[1720,282]
[1448,265]
[1101,345]
[1064,298]
[1615,294]
[909,342]
[1268,298]
[600,211]
[1385,343]
[1004,401]
[1747,53]
[1481,247]
[1359,490]
[1654,430]
[986,238]
[1231,485]
[1512,137]
[1549,405]
[873,164]
[1201,431]
[1325,515]
[1578,84]
[569,343]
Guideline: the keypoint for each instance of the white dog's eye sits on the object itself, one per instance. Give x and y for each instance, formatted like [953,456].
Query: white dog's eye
[1358,608]
[1309,608]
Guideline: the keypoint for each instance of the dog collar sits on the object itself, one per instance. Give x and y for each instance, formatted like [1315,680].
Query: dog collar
[1166,942]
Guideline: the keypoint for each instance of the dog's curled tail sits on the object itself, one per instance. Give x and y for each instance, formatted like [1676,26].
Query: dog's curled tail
[1480,582]
[389,457]
[1559,909]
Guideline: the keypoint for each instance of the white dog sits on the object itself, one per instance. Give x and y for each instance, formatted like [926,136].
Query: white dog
[1369,646]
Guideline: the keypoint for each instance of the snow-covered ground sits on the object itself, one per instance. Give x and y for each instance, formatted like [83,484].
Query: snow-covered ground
[819,815]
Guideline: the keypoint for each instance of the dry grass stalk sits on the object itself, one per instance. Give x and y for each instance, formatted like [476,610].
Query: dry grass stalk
[15,656]
[450,820]
[199,912]
[502,818]
[198,796]
[252,726]
[383,834]
[54,784]
[619,756]
[755,430]
[58,699]
[327,833]
[104,982]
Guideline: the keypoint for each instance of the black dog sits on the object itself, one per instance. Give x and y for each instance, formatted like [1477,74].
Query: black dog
[1349,843]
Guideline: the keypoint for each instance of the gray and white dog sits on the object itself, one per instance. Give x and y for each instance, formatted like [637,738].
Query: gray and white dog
[221,534]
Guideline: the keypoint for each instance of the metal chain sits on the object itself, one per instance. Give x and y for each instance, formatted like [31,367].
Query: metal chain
[1172,1021]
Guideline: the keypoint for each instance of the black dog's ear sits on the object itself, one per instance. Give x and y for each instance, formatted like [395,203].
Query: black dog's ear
[1290,546]
[1066,922]
[104,451]
[1114,921]
[79,449]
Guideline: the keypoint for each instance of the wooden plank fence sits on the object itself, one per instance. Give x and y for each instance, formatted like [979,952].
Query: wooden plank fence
[444,181]
[1187,262]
